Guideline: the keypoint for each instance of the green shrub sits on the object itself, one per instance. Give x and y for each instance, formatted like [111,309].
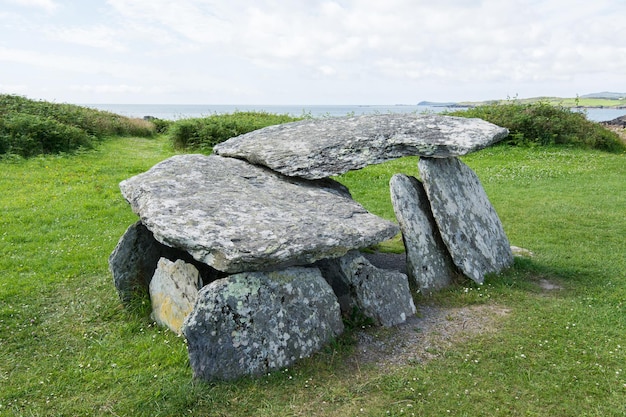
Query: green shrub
[544,124]
[161,125]
[204,133]
[29,127]
[27,135]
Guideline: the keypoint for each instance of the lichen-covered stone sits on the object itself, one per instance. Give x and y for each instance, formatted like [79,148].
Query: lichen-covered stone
[429,264]
[134,260]
[380,294]
[252,323]
[236,217]
[319,148]
[469,225]
[173,292]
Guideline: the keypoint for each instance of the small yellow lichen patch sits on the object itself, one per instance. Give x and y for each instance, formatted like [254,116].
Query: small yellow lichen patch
[168,313]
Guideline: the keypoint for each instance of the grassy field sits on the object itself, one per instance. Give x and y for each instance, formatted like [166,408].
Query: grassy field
[67,347]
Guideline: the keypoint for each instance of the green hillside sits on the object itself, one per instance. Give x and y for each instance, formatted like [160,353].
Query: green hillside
[595,100]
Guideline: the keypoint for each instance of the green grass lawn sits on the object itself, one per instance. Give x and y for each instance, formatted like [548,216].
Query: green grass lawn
[67,347]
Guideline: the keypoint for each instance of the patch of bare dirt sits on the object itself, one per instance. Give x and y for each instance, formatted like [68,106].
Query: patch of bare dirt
[434,330]
[425,336]
[546,285]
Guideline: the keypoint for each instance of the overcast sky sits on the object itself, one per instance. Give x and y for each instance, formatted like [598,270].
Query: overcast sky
[309,51]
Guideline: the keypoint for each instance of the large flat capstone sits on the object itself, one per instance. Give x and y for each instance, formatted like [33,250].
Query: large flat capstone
[469,225]
[320,148]
[236,217]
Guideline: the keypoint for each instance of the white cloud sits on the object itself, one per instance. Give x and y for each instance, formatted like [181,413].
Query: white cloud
[13,88]
[327,70]
[107,88]
[196,21]
[97,67]
[47,5]
[100,36]
[309,48]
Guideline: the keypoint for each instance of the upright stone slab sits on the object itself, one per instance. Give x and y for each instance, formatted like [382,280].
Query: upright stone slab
[252,323]
[383,295]
[133,261]
[319,148]
[429,265]
[469,225]
[239,217]
[173,292]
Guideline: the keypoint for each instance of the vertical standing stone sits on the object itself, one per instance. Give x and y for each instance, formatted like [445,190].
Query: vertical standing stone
[429,265]
[469,225]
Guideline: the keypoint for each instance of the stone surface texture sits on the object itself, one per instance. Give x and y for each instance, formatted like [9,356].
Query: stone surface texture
[239,217]
[134,260]
[469,225]
[173,292]
[429,265]
[252,323]
[319,148]
[380,294]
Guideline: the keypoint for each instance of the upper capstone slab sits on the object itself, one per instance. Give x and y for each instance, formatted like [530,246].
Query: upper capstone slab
[236,217]
[319,148]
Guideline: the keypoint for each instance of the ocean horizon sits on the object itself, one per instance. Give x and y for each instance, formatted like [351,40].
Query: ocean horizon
[185,111]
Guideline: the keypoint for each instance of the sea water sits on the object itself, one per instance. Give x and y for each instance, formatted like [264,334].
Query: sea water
[183,111]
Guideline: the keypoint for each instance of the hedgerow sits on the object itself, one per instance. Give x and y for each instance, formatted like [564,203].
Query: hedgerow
[30,127]
[546,124]
[204,133]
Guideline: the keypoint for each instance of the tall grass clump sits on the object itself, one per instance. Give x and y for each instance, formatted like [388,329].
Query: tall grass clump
[204,133]
[30,127]
[544,124]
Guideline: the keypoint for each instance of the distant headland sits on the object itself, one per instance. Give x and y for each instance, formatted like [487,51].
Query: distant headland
[602,100]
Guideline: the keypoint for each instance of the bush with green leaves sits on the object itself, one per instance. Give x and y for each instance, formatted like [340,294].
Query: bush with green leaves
[545,124]
[161,125]
[30,127]
[28,135]
[204,133]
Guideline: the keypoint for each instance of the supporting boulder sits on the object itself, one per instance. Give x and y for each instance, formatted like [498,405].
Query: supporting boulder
[134,260]
[429,265]
[173,292]
[469,225]
[380,294]
[252,323]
